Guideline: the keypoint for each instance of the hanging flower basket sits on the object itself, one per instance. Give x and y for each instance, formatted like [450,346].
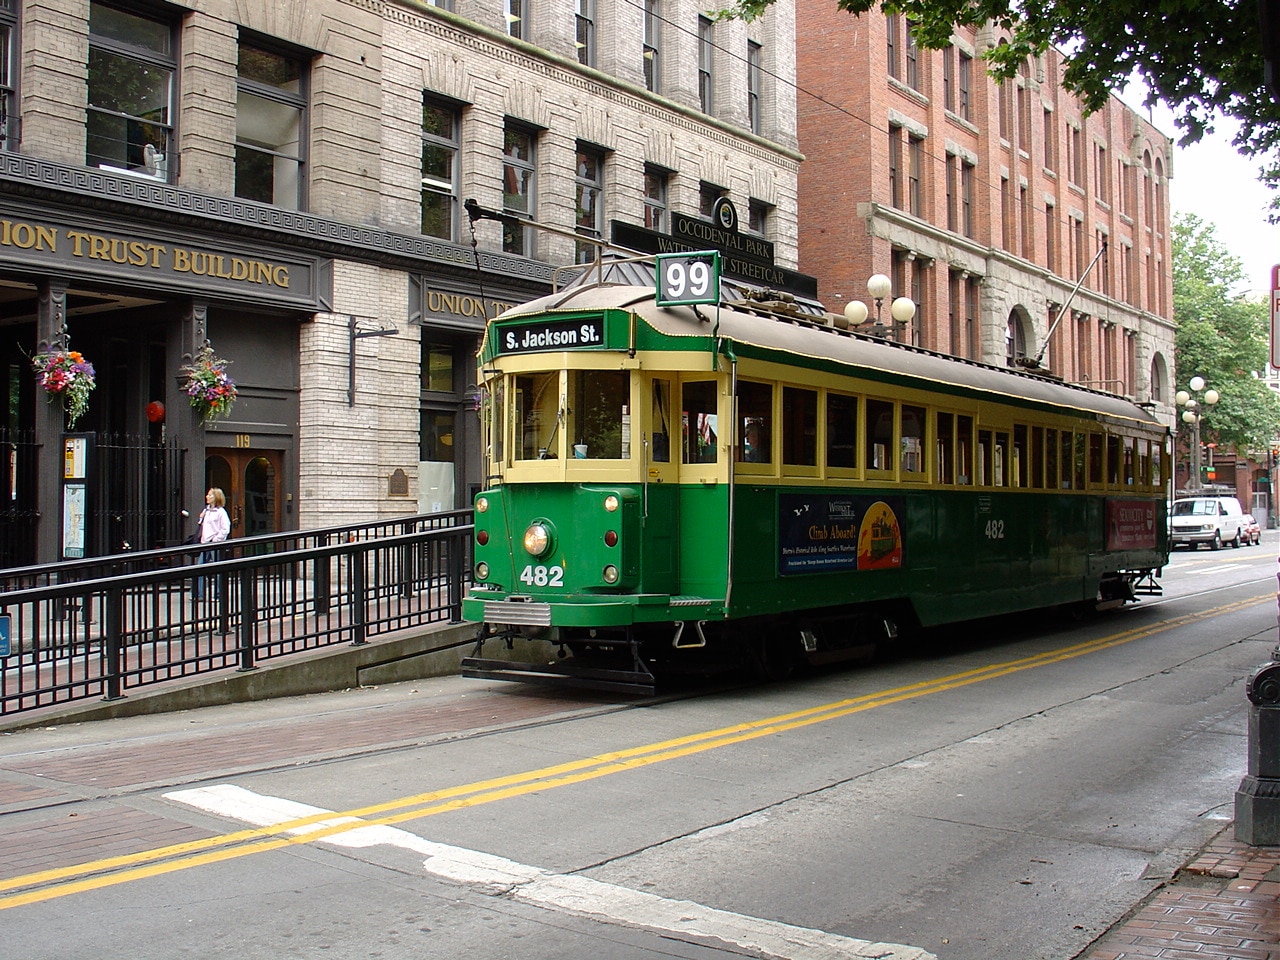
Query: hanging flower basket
[68,376]
[212,392]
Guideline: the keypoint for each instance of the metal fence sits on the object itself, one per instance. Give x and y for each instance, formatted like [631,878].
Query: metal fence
[100,627]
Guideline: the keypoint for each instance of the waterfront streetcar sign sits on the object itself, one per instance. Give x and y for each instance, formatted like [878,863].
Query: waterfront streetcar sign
[687,278]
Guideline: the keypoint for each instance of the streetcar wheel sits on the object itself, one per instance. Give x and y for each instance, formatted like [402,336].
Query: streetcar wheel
[772,658]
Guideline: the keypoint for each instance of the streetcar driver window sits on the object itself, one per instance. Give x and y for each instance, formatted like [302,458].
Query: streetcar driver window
[842,431]
[755,418]
[536,412]
[660,450]
[601,414]
[698,423]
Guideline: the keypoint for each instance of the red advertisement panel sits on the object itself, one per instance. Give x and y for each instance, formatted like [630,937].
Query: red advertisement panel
[1131,524]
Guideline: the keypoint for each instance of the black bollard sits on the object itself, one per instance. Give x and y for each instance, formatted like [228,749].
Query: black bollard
[1258,799]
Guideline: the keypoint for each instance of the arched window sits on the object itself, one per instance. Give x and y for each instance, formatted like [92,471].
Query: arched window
[1015,340]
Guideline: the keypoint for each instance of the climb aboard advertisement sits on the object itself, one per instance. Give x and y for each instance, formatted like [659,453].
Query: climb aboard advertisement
[818,533]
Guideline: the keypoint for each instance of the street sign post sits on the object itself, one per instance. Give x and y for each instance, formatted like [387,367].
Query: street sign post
[1275,316]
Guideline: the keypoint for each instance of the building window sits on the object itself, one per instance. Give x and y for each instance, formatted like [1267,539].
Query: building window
[1077,238]
[891,26]
[1050,238]
[966,198]
[656,181]
[949,79]
[518,19]
[270,127]
[517,186]
[1103,282]
[754,79]
[131,71]
[915,157]
[1101,175]
[586,38]
[911,53]
[1076,158]
[1050,141]
[8,98]
[895,167]
[1028,235]
[589,190]
[952,165]
[1004,95]
[964,83]
[758,217]
[652,42]
[706,65]
[708,194]
[1024,116]
[439,169]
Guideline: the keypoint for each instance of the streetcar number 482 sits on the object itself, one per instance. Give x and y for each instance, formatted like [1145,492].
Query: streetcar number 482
[541,576]
[995,529]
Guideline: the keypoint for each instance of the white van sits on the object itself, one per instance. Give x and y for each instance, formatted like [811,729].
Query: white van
[1211,520]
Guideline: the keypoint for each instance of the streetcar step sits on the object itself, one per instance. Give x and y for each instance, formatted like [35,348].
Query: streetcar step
[556,674]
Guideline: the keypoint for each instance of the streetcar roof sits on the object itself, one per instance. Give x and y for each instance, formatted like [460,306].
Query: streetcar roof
[805,336]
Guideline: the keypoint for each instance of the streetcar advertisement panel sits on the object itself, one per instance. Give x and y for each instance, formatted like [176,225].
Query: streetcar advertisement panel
[1131,524]
[828,532]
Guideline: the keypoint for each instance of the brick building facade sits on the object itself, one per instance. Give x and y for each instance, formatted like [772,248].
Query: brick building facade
[286,181]
[985,203]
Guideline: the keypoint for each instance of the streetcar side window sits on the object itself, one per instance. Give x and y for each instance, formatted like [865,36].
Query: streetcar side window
[912,442]
[755,422]
[660,450]
[944,447]
[698,422]
[1051,459]
[601,414]
[1130,453]
[964,449]
[1067,460]
[1095,459]
[986,455]
[1113,460]
[878,431]
[842,431]
[1037,458]
[1079,460]
[536,411]
[799,427]
[1000,476]
[497,419]
[1021,458]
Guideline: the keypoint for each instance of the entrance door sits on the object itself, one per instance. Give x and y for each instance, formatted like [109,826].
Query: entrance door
[251,479]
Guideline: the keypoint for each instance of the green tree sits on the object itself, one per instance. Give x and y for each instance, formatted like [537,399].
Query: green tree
[1201,58]
[1223,337]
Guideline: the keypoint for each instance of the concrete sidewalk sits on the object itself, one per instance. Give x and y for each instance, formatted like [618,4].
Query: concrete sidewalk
[1224,905]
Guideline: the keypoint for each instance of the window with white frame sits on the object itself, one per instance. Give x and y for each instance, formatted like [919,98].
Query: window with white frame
[518,159]
[271,113]
[656,183]
[131,72]
[652,44]
[585,41]
[755,77]
[589,192]
[518,19]
[440,126]
[8,96]
[706,65]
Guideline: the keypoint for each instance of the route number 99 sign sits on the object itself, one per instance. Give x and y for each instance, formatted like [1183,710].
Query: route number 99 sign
[688,278]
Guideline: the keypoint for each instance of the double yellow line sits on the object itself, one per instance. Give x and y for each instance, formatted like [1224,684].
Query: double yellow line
[96,874]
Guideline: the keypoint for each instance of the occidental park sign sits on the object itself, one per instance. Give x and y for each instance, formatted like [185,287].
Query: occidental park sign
[164,263]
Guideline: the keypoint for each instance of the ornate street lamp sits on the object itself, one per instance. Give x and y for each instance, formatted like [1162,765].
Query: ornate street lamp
[902,310]
[1193,412]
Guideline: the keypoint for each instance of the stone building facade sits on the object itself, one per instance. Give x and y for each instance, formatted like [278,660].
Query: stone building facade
[985,203]
[286,183]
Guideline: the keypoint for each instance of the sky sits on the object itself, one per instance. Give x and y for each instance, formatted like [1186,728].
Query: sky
[1212,180]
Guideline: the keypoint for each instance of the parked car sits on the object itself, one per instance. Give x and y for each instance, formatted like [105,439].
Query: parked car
[1252,530]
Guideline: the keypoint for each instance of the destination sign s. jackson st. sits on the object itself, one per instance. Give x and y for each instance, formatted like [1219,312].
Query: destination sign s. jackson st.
[551,335]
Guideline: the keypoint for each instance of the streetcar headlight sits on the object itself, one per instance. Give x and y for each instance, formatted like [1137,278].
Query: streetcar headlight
[482,505]
[610,574]
[611,503]
[537,539]
[482,571]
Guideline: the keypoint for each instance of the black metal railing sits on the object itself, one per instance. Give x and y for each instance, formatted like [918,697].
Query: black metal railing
[97,628]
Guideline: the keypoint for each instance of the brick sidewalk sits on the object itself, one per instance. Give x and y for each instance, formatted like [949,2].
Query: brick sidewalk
[1224,905]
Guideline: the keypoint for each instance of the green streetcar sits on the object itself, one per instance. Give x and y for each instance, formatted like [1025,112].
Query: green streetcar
[687,485]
